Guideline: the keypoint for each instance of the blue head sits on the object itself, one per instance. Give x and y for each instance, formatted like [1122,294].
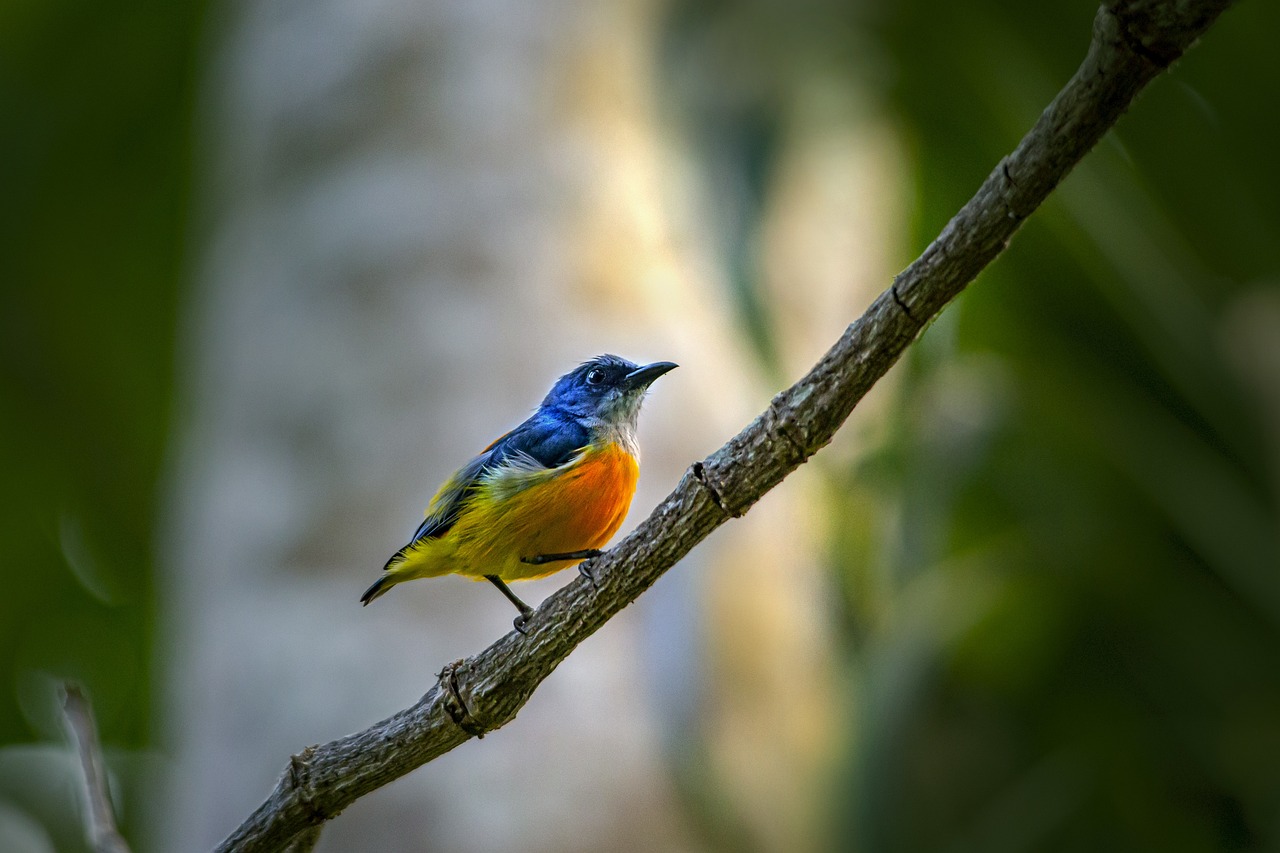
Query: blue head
[605,392]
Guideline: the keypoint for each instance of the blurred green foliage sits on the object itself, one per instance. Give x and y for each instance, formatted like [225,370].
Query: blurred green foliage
[1062,568]
[1065,609]
[95,167]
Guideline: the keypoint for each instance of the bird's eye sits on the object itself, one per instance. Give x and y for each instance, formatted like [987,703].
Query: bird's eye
[595,376]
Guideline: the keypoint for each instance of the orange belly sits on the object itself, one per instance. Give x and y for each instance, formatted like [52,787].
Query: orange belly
[579,508]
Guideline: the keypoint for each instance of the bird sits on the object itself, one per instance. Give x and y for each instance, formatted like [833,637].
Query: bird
[544,496]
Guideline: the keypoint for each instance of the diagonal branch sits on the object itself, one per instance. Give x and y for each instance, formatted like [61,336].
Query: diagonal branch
[1133,42]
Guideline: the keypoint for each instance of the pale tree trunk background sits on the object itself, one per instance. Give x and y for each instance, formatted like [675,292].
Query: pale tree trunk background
[417,216]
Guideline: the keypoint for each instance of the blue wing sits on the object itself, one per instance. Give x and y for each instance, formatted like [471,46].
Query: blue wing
[545,439]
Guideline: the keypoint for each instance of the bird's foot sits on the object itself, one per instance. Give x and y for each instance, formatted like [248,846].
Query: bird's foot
[520,621]
[525,610]
[588,574]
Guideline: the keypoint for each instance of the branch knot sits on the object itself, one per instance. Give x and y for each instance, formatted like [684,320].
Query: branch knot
[454,704]
[897,297]
[1006,195]
[1159,32]
[300,778]
[785,426]
[708,482]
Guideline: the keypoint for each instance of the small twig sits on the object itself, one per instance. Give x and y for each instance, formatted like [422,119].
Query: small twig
[100,817]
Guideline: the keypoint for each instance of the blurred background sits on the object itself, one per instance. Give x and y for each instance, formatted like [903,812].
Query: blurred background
[270,271]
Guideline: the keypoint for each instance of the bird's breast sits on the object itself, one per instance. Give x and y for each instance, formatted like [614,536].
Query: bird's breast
[575,507]
[598,488]
[578,508]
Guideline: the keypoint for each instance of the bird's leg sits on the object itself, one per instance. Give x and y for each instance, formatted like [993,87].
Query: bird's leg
[525,610]
[571,555]
[555,558]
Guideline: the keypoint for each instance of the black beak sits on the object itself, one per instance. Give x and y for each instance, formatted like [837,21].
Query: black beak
[642,377]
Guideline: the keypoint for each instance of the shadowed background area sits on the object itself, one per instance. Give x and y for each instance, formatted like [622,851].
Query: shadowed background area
[269,272]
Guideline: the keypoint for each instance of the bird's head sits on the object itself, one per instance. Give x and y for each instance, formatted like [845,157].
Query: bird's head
[605,391]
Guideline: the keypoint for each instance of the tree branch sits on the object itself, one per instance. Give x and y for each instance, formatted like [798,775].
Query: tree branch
[305,841]
[99,816]
[1133,42]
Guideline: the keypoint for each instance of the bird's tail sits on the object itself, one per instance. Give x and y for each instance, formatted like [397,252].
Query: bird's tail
[380,587]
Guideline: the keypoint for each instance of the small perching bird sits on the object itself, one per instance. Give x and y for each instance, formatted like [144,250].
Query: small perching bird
[545,496]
